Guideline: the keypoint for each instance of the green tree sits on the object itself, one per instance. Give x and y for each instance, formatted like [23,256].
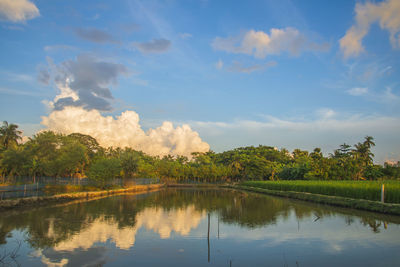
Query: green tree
[130,162]
[105,169]
[9,134]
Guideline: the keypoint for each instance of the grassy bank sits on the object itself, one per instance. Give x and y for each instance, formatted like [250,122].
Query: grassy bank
[360,204]
[367,190]
[59,189]
[195,185]
[34,201]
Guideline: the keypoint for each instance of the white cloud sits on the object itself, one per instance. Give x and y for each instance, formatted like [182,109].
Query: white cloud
[219,64]
[125,131]
[261,44]
[387,13]
[357,91]
[18,10]
[163,222]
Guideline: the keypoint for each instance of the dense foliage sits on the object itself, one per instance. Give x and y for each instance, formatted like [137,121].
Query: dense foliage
[77,155]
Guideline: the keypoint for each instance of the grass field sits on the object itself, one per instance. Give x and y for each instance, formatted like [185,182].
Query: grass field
[370,190]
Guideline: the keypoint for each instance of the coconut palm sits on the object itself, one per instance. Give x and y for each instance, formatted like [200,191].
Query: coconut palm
[9,134]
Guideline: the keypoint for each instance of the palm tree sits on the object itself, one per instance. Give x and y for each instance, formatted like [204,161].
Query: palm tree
[9,134]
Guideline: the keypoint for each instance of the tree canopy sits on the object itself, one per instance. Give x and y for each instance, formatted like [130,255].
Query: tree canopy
[77,155]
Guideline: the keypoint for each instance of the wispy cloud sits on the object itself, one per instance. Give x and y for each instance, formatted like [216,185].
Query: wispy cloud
[238,67]
[185,35]
[261,44]
[9,91]
[16,77]
[18,10]
[219,65]
[55,48]
[94,35]
[389,97]
[386,13]
[153,46]
[13,27]
[357,91]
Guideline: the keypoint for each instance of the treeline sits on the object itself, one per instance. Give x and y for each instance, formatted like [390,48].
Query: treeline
[77,155]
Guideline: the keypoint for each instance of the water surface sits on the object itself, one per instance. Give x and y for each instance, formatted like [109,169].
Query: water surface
[189,227]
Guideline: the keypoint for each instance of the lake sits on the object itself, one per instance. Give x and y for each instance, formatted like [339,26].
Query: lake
[197,227]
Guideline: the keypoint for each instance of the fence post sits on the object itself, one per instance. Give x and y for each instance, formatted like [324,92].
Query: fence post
[383,194]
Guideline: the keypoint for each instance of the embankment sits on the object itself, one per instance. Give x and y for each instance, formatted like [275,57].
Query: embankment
[361,204]
[36,201]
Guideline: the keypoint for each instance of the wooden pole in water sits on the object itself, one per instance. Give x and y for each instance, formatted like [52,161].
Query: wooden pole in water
[208,237]
[218,226]
[383,194]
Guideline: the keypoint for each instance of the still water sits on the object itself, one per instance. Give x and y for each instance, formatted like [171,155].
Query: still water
[190,227]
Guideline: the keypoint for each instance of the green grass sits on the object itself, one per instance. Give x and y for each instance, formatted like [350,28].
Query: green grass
[59,189]
[369,190]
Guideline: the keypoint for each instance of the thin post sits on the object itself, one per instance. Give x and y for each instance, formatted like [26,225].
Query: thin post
[208,237]
[218,226]
[383,194]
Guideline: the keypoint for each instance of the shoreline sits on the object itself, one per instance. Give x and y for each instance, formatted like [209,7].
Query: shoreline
[8,204]
[359,204]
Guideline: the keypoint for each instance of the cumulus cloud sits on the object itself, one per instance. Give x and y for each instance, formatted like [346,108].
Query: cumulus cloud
[94,35]
[83,93]
[18,10]
[357,91]
[238,67]
[261,44]
[154,46]
[125,131]
[386,13]
[84,82]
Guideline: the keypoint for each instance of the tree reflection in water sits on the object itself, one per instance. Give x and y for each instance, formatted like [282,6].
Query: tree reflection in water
[55,231]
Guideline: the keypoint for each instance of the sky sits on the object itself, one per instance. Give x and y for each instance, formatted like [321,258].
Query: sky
[174,77]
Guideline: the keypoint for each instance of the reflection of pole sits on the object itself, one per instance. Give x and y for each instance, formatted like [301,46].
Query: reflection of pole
[218,226]
[208,237]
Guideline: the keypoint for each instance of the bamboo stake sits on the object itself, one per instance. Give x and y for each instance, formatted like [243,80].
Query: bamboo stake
[208,237]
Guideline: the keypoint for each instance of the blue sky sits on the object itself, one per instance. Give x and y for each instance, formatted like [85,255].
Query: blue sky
[294,74]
